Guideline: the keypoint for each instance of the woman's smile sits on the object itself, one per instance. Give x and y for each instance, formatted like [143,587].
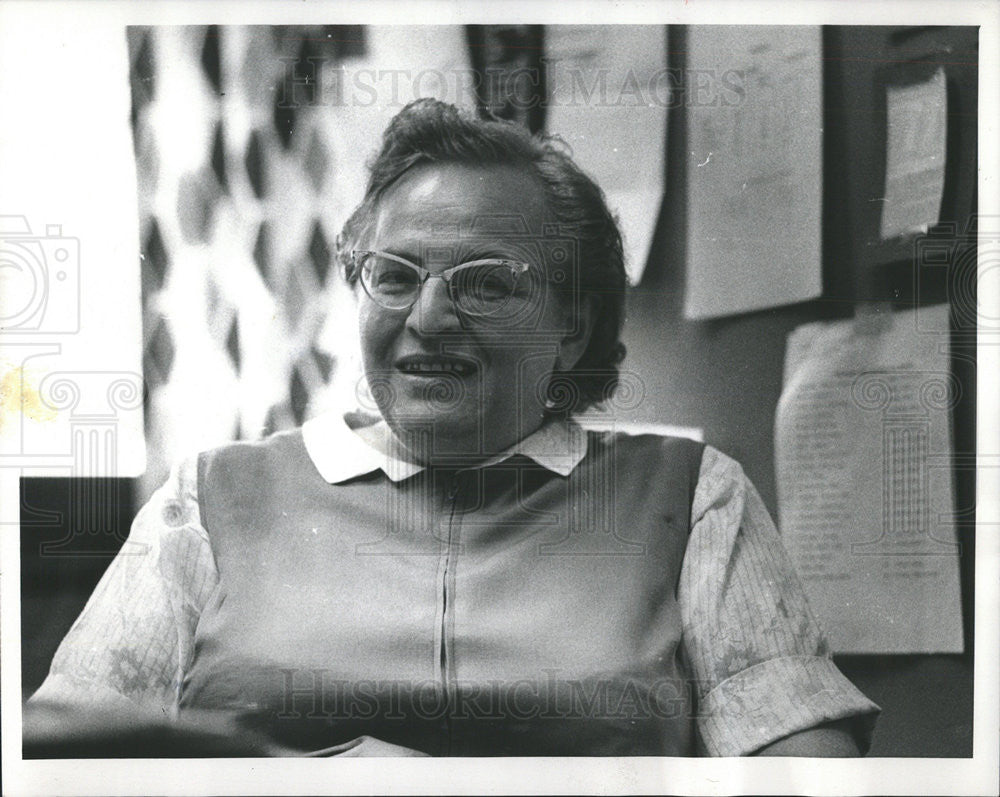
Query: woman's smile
[425,365]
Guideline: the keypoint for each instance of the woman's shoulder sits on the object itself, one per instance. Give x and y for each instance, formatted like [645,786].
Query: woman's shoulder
[274,444]
[642,439]
[231,467]
[647,448]
[646,454]
[270,441]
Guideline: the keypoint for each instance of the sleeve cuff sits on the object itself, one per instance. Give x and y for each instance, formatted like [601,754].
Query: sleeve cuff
[61,690]
[777,698]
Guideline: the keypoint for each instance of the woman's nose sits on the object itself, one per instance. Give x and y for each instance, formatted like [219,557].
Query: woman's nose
[433,311]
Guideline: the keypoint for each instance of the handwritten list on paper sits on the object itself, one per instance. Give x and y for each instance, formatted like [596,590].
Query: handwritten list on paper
[864,472]
[754,168]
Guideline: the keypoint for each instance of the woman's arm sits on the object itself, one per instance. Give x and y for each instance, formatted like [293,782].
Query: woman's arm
[132,642]
[765,681]
[831,740]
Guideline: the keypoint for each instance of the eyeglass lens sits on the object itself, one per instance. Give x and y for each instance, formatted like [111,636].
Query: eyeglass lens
[481,289]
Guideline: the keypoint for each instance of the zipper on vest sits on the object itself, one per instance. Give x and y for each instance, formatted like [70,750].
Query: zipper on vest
[447,598]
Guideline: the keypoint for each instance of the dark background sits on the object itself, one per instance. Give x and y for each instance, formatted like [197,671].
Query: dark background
[722,375]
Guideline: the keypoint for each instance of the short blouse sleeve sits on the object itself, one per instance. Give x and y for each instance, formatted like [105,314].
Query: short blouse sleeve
[134,638]
[761,664]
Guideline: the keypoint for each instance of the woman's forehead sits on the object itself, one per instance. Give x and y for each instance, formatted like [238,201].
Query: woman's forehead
[457,200]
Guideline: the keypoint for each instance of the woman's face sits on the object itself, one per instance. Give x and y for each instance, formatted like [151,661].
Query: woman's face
[467,386]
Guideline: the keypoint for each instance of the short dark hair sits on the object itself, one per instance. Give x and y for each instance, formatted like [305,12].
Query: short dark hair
[431,131]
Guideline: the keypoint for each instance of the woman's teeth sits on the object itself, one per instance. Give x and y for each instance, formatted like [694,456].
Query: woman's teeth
[437,367]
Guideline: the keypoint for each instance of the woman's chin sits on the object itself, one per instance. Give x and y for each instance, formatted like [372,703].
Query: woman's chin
[431,435]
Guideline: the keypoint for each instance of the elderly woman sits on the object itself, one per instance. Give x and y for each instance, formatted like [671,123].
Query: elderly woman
[468,571]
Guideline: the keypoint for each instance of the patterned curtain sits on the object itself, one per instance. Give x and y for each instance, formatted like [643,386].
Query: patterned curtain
[238,195]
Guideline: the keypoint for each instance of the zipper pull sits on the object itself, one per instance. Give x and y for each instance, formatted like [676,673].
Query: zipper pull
[453,490]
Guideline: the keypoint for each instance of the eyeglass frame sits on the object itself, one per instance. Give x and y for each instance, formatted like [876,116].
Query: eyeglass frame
[517,266]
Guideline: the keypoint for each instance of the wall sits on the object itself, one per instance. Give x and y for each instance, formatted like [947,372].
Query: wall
[725,376]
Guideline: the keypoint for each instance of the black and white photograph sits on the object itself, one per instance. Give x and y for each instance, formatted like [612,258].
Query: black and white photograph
[590,398]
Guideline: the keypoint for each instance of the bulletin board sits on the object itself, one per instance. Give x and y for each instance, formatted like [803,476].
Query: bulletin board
[725,374]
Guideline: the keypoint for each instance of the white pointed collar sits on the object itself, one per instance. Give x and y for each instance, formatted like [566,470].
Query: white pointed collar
[345,445]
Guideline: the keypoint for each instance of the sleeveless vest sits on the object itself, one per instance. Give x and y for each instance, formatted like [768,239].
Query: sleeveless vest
[506,610]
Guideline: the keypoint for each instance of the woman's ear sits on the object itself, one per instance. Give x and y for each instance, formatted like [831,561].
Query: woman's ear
[580,326]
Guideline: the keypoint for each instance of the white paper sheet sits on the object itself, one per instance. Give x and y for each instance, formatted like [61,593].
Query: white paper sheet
[864,476]
[917,124]
[754,168]
[609,97]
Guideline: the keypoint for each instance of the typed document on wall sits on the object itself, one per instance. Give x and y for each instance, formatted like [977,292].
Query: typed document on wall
[865,485]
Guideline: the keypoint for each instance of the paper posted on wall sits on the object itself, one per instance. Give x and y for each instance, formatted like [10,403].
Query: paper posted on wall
[917,123]
[864,477]
[754,168]
[610,91]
